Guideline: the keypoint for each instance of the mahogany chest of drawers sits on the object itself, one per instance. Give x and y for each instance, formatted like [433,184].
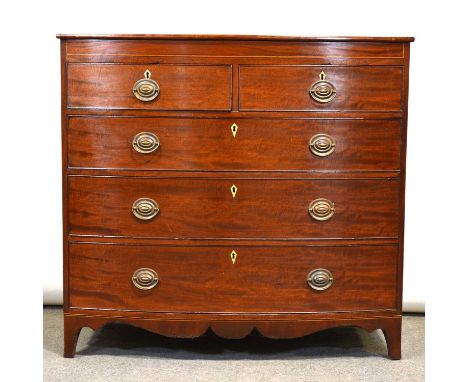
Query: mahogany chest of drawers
[233,183]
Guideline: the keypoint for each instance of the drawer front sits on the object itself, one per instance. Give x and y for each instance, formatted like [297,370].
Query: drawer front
[288,88]
[215,144]
[181,87]
[205,279]
[213,208]
[337,51]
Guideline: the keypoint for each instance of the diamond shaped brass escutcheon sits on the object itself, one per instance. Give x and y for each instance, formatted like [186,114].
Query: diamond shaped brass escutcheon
[322,75]
[147,73]
[234,129]
[233,190]
[233,256]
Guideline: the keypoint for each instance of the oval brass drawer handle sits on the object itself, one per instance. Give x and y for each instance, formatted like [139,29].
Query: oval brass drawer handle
[145,143]
[321,209]
[322,145]
[145,208]
[145,278]
[322,91]
[320,279]
[146,89]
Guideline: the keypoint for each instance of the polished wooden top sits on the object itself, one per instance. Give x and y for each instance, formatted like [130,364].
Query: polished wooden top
[232,37]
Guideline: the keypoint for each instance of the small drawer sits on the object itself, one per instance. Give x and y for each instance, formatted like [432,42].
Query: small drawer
[314,88]
[233,208]
[236,145]
[208,279]
[152,86]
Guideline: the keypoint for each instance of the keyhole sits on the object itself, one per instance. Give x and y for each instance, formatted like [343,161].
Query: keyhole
[322,76]
[233,190]
[233,256]
[234,130]
[147,74]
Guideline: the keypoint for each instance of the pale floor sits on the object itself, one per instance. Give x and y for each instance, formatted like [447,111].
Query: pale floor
[120,353]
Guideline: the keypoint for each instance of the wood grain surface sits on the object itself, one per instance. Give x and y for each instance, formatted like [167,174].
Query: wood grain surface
[232,37]
[209,145]
[286,88]
[204,279]
[182,87]
[205,208]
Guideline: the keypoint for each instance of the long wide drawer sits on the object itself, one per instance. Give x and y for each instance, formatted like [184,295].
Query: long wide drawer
[232,208]
[206,279]
[225,144]
[178,87]
[291,88]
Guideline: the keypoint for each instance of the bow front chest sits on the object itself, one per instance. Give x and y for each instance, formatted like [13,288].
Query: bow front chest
[233,183]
